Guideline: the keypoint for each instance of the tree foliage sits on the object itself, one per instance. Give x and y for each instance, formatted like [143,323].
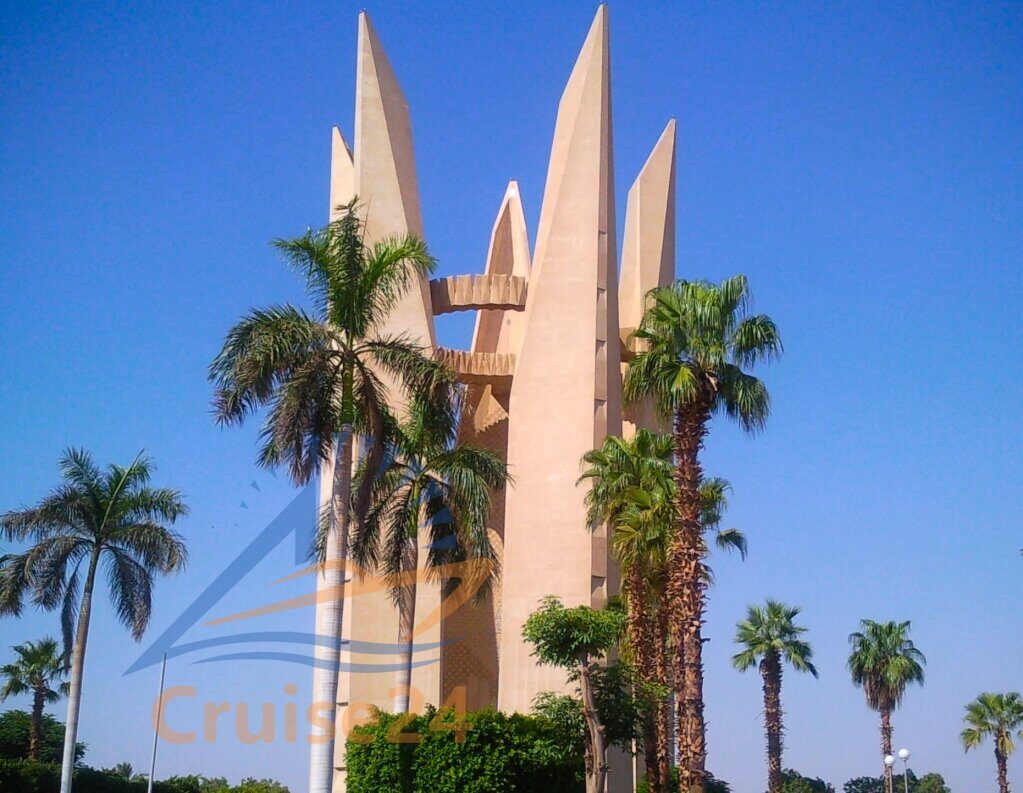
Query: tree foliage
[479,752]
[564,636]
[794,782]
[15,726]
[884,661]
[114,516]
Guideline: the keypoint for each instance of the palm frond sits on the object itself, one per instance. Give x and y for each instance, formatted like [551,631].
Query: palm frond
[131,589]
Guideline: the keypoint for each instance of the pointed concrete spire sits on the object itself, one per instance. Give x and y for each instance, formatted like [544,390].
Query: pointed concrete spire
[648,256]
[388,192]
[566,393]
[385,171]
[497,330]
[648,249]
[342,172]
[471,633]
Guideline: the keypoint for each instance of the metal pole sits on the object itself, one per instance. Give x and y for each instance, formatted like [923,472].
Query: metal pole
[156,727]
[905,774]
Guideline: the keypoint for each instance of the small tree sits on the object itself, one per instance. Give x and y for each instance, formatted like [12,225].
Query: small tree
[883,662]
[999,717]
[768,637]
[38,671]
[794,782]
[576,639]
[15,726]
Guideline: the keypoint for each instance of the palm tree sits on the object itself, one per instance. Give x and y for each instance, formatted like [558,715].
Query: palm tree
[439,487]
[769,636]
[322,375]
[115,517]
[632,490]
[997,716]
[40,667]
[695,343]
[883,662]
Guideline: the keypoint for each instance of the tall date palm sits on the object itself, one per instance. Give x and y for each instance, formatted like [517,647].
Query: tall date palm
[696,342]
[883,662]
[39,670]
[112,517]
[768,637]
[321,376]
[999,717]
[632,490]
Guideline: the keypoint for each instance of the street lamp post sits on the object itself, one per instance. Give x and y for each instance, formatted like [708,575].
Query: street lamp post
[904,757]
[889,761]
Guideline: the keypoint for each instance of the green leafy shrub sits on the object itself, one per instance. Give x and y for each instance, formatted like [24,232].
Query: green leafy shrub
[14,731]
[714,785]
[481,752]
[794,782]
[26,776]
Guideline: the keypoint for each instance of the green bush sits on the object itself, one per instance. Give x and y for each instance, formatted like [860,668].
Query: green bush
[482,752]
[714,785]
[26,776]
[14,730]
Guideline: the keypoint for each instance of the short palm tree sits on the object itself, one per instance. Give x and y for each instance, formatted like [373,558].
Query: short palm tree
[769,636]
[322,375]
[436,490]
[696,343]
[114,517]
[883,662]
[996,716]
[38,671]
[632,490]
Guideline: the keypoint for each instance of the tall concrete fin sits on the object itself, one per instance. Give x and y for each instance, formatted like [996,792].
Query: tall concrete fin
[648,254]
[385,171]
[471,633]
[497,330]
[566,393]
[387,188]
[330,580]
[342,173]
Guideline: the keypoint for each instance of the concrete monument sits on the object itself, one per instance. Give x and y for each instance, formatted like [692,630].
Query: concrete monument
[543,374]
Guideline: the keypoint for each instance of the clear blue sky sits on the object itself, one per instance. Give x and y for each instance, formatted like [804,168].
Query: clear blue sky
[862,163]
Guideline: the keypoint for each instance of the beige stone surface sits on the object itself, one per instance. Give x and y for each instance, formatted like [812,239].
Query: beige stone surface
[543,374]
[565,396]
[330,580]
[465,292]
[648,257]
[472,632]
[485,368]
[386,184]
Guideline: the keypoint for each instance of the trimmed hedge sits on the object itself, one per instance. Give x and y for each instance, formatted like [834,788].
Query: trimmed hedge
[484,751]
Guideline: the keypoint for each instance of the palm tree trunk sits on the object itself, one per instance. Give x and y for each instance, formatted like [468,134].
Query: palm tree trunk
[640,641]
[74,701]
[331,612]
[665,712]
[596,776]
[406,624]
[1003,770]
[686,598]
[886,747]
[770,668]
[35,729]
